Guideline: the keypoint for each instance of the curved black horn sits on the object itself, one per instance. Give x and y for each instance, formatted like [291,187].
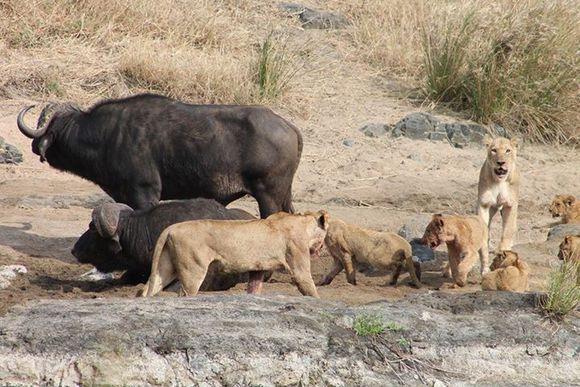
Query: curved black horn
[27,131]
[106,218]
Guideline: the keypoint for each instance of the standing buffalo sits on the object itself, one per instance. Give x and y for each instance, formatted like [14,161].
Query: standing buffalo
[119,238]
[146,148]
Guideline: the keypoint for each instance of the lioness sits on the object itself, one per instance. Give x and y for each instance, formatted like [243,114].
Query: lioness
[350,245]
[570,248]
[466,237]
[498,189]
[185,250]
[567,207]
[509,273]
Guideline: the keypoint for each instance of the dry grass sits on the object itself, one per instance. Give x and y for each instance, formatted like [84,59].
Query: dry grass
[509,62]
[200,51]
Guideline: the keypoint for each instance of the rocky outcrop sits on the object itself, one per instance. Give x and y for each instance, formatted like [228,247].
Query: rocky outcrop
[313,18]
[9,154]
[484,338]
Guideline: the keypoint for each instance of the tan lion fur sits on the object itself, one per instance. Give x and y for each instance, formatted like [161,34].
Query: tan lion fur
[498,188]
[509,272]
[350,245]
[567,207]
[281,241]
[466,239]
[570,248]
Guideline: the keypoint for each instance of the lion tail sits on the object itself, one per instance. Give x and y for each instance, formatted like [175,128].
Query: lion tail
[155,283]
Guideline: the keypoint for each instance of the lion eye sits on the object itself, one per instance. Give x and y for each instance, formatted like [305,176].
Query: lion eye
[494,150]
[508,150]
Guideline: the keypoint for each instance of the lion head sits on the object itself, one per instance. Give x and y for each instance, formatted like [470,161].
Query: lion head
[570,247]
[435,232]
[504,259]
[560,204]
[501,156]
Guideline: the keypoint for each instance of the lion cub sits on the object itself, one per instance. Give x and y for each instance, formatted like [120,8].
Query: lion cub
[570,248]
[281,241]
[509,273]
[498,189]
[466,237]
[350,245]
[567,207]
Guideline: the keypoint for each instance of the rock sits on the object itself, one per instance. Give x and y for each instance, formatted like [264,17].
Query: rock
[437,136]
[560,231]
[9,272]
[9,154]
[438,383]
[415,157]
[397,132]
[421,253]
[348,142]
[251,340]
[415,228]
[94,275]
[311,18]
[375,130]
[417,125]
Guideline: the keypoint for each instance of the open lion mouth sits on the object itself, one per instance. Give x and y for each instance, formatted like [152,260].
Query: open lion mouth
[500,171]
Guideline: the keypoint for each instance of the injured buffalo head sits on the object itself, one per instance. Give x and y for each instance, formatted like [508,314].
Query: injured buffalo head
[100,245]
[53,119]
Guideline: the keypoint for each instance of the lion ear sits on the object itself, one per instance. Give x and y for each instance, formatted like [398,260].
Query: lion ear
[569,200]
[438,219]
[515,142]
[323,219]
[487,140]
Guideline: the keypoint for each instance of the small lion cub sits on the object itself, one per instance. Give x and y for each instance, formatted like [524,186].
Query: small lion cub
[570,248]
[567,207]
[466,237]
[350,245]
[509,272]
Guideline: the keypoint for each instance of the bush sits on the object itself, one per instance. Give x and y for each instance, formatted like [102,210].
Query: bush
[518,71]
[368,325]
[563,290]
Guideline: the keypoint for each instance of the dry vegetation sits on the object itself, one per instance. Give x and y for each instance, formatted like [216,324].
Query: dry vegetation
[509,62]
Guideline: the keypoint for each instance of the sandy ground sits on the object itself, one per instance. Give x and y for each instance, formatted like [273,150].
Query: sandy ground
[379,183]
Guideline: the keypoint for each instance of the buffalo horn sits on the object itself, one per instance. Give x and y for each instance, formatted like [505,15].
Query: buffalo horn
[27,131]
[106,218]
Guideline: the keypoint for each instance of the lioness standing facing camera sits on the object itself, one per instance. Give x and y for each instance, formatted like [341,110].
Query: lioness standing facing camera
[498,189]
[281,241]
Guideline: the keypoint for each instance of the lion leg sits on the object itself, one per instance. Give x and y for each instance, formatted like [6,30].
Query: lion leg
[350,268]
[484,258]
[334,271]
[396,274]
[509,217]
[191,279]
[464,267]
[298,264]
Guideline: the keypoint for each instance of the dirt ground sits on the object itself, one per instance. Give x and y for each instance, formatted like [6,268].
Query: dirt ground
[379,183]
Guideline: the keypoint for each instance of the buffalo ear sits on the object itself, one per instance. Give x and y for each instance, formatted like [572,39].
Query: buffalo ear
[106,219]
[43,145]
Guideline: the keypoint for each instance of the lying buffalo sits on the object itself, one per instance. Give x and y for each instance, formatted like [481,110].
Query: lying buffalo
[119,238]
[147,148]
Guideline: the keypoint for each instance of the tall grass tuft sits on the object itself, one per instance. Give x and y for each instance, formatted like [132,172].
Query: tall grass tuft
[516,66]
[276,68]
[563,293]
